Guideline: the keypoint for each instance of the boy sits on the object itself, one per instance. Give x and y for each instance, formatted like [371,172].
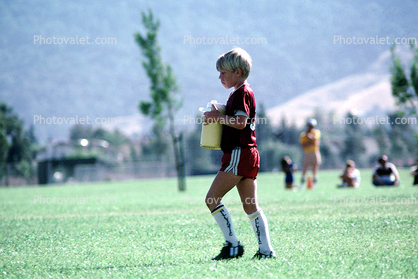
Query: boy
[288,167]
[240,161]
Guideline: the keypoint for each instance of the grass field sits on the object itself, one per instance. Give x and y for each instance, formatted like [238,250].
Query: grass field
[147,229]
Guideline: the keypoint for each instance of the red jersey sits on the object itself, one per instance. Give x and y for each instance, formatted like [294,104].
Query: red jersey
[242,99]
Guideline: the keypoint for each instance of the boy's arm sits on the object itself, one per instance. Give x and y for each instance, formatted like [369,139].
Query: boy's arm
[238,122]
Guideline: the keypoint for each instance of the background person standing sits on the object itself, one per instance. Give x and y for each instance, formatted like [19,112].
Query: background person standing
[309,141]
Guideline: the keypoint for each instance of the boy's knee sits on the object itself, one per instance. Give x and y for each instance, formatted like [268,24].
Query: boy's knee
[208,201]
[212,202]
[250,205]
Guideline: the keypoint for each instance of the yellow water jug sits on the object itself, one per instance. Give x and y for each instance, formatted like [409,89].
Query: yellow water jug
[212,133]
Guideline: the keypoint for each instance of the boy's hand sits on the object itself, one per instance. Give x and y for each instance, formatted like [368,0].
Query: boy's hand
[211,116]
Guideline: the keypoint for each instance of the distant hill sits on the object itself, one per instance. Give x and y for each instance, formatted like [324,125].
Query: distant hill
[294,49]
[367,95]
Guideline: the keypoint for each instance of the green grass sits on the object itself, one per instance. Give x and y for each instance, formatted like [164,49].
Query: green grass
[147,229]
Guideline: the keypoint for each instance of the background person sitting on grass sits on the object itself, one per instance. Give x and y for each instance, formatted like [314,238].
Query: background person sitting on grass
[414,173]
[350,176]
[385,174]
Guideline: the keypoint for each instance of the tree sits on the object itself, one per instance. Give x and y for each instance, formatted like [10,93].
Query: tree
[163,92]
[4,143]
[264,131]
[17,147]
[405,90]
[287,134]
[382,139]
[402,137]
[354,148]
[79,131]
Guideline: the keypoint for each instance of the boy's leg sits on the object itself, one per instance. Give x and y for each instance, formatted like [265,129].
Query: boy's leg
[223,219]
[247,189]
[221,185]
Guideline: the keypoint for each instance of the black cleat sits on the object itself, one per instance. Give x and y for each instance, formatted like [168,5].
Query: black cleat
[229,252]
[259,255]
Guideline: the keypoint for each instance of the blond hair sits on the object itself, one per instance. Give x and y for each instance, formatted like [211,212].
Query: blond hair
[235,59]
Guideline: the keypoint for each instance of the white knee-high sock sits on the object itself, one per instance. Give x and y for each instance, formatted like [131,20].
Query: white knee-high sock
[222,217]
[261,230]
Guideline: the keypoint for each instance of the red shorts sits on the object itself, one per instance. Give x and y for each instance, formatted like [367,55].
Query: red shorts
[242,162]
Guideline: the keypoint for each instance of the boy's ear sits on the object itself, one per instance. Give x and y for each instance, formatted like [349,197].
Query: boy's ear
[239,72]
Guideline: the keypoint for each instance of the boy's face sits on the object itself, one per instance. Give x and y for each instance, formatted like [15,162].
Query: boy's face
[230,79]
